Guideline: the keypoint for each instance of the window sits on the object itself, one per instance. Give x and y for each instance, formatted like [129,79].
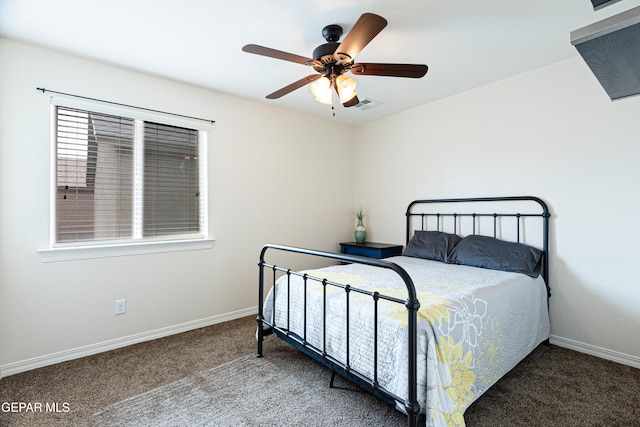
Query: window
[94,176]
[123,178]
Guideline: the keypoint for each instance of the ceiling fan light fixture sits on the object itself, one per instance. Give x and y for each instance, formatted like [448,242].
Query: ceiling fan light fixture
[321,90]
[346,88]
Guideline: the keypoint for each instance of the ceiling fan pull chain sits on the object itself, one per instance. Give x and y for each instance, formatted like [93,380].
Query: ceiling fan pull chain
[333,85]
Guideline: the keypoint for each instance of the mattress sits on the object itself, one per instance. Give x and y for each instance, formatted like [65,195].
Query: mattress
[474,325]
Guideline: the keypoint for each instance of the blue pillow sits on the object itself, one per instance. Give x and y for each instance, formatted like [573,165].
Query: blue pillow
[488,252]
[434,245]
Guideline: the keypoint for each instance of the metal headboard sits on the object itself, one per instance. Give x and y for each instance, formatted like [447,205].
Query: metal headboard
[415,211]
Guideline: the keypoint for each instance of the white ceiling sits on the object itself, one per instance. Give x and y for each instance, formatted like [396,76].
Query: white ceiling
[465,43]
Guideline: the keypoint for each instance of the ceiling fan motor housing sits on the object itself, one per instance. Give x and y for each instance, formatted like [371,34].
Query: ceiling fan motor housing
[324,53]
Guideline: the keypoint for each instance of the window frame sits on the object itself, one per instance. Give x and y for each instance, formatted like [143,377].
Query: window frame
[137,245]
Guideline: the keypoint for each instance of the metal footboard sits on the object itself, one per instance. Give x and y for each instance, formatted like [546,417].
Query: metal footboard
[410,405]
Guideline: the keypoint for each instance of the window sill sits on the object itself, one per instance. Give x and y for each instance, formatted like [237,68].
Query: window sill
[123,249]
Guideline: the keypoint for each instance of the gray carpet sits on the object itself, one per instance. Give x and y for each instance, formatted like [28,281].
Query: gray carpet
[248,392]
[210,376]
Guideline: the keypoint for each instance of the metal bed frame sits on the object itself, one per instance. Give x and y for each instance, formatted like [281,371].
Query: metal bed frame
[410,406]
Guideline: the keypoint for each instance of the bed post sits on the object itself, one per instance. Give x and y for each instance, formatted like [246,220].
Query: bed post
[260,317]
[546,255]
[411,405]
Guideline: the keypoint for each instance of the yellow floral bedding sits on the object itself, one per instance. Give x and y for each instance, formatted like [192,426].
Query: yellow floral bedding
[474,325]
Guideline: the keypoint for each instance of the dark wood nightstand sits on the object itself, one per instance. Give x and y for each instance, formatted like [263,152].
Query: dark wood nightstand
[371,249]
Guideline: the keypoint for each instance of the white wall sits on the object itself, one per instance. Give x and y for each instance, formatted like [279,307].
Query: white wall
[552,133]
[264,163]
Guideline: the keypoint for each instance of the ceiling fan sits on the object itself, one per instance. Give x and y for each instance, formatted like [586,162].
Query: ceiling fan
[332,60]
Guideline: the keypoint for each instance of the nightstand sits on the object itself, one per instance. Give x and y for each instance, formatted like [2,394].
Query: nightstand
[370,249]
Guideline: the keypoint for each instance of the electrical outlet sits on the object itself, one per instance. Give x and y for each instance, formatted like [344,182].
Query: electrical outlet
[121,306]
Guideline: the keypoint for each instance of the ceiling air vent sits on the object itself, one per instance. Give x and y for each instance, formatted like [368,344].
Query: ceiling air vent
[367,104]
[610,48]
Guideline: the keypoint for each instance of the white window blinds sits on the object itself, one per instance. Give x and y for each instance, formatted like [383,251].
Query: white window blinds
[121,179]
[171,188]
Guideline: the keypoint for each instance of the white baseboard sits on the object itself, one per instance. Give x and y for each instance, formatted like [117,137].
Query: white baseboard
[603,353]
[76,353]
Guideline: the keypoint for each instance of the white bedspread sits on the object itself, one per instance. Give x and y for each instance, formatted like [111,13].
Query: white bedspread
[474,325]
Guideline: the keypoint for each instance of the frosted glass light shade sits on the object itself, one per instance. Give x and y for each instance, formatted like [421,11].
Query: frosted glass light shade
[346,88]
[321,90]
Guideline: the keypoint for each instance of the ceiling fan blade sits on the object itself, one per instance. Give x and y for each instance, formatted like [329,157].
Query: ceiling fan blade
[364,30]
[390,70]
[293,86]
[353,101]
[277,54]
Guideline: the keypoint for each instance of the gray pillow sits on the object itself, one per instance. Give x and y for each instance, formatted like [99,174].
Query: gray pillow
[434,245]
[488,252]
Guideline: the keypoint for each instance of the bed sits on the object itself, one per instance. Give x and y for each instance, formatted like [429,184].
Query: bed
[429,331]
